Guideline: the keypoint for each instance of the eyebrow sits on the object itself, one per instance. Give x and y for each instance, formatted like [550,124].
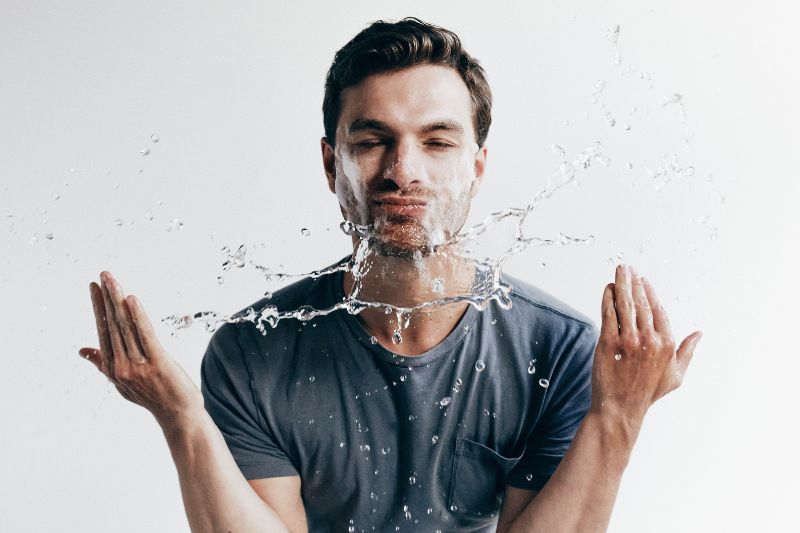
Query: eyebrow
[363,124]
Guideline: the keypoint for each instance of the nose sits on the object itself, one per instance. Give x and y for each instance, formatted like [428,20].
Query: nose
[405,166]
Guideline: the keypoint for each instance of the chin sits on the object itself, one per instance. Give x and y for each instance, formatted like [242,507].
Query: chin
[407,241]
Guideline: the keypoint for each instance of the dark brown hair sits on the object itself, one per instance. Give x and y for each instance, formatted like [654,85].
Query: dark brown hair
[385,46]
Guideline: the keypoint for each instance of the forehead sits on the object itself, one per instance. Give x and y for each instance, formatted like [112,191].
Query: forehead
[408,98]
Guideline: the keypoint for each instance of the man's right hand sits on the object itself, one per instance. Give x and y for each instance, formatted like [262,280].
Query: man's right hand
[635,362]
[132,358]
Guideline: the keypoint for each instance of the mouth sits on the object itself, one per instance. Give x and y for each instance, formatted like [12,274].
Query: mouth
[395,205]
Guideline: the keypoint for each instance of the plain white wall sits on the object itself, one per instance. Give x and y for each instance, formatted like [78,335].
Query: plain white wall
[234,90]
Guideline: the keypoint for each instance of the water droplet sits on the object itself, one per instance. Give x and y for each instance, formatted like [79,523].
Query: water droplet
[445,401]
[479,365]
[429,511]
[629,166]
[544,383]
[435,439]
[144,151]
[403,377]
[485,412]
[373,340]
[385,451]
[341,445]
[364,447]
[617,356]
[305,232]
[529,477]
[220,280]
[148,215]
[437,285]
[454,508]
[397,338]
[412,480]
[494,321]
[48,236]
[531,368]
[673,98]
[612,34]
[174,224]
[311,378]
[56,196]
[118,222]
[154,138]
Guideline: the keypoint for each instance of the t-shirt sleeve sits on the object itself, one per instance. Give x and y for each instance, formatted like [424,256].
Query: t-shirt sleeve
[228,395]
[567,400]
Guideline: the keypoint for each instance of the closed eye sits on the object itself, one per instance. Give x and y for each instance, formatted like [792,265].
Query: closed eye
[437,145]
[370,144]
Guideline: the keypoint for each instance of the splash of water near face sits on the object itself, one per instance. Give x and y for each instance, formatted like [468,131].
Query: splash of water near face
[467,246]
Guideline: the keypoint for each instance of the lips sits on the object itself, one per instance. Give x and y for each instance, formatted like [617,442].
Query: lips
[395,205]
[400,200]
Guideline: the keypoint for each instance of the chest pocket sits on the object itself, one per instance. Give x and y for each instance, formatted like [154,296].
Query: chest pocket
[478,478]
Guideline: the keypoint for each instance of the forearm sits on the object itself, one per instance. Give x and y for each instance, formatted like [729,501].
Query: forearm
[580,495]
[216,495]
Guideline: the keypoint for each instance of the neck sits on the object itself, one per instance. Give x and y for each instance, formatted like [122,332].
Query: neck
[407,282]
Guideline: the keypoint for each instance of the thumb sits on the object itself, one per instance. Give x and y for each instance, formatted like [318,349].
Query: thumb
[686,351]
[92,355]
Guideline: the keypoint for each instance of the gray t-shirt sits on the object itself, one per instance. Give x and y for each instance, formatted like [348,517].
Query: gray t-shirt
[384,442]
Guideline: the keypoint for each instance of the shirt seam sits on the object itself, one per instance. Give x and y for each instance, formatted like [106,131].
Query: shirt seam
[552,309]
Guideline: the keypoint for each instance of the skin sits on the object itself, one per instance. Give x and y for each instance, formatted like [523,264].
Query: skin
[580,495]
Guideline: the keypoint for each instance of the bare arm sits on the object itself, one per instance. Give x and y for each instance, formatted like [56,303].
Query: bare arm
[216,495]
[635,364]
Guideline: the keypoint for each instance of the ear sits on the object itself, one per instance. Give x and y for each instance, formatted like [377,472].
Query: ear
[329,163]
[480,169]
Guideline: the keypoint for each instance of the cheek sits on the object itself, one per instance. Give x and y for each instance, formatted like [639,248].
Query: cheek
[457,179]
[351,186]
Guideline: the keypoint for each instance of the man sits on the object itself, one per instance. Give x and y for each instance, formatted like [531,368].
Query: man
[517,418]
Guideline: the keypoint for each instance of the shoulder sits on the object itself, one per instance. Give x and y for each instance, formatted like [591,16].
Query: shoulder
[530,299]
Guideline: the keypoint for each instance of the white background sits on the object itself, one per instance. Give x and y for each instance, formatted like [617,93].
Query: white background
[234,91]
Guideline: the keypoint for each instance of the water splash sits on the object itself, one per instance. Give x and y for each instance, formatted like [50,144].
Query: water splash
[477,246]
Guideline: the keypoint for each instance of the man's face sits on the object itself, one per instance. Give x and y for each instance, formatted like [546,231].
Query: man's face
[406,161]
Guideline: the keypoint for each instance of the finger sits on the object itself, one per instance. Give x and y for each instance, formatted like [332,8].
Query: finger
[151,347]
[94,356]
[624,300]
[644,315]
[103,335]
[660,319]
[609,328]
[118,344]
[126,326]
[686,351]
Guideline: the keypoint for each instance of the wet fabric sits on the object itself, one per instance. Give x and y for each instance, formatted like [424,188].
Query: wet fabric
[382,441]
